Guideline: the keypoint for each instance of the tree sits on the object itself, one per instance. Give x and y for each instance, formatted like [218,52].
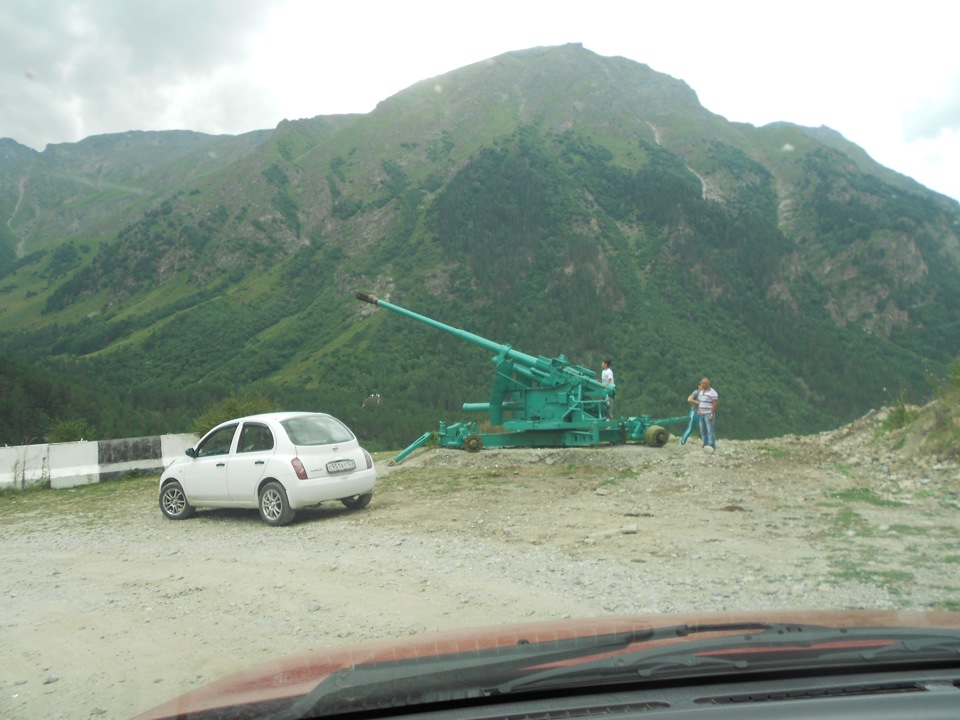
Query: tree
[72,430]
[239,404]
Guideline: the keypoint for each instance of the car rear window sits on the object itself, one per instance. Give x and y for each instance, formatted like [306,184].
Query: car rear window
[316,430]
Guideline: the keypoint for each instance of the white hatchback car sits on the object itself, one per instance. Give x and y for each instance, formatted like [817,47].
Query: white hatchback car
[277,462]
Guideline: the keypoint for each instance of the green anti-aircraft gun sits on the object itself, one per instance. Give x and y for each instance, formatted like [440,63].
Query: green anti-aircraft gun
[539,402]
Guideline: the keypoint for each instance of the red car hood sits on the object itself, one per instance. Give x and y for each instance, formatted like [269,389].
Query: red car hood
[296,675]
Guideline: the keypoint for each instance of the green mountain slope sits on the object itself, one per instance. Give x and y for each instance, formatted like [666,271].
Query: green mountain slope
[551,199]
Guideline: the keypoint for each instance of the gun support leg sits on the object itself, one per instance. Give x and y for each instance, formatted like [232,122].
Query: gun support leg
[419,442]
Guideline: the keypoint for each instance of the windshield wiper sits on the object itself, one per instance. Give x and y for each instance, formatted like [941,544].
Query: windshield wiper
[777,648]
[453,676]
[672,652]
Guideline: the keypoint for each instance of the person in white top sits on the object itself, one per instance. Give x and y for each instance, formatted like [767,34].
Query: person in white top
[606,377]
[706,399]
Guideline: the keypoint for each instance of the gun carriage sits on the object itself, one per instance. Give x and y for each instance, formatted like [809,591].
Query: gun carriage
[538,401]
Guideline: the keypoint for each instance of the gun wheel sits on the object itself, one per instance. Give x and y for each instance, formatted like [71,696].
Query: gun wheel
[473,443]
[656,436]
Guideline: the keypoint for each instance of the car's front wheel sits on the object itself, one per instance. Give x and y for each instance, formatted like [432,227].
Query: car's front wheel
[274,507]
[173,502]
[355,502]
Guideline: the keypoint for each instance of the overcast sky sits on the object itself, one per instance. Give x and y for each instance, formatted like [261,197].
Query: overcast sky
[884,74]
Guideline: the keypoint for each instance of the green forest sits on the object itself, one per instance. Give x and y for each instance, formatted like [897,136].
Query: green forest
[232,276]
[523,276]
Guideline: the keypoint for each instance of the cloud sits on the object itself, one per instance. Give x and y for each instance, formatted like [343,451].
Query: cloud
[933,117]
[70,69]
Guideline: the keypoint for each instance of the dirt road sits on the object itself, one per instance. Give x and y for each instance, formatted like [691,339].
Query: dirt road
[109,609]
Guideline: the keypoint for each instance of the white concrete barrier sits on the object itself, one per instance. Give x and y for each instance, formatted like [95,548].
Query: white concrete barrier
[65,465]
[72,464]
[24,465]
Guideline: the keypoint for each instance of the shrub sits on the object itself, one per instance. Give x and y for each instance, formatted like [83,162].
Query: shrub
[234,406]
[71,430]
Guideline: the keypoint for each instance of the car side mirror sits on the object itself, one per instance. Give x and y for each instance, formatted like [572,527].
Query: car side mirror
[191,452]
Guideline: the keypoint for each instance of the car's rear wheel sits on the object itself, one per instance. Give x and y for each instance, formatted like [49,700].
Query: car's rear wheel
[173,502]
[274,507]
[355,502]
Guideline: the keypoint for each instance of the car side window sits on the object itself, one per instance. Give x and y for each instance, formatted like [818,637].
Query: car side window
[255,438]
[218,443]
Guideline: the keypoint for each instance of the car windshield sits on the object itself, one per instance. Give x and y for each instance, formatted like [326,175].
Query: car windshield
[332,330]
[316,430]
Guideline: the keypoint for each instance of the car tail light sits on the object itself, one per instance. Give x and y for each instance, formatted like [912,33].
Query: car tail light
[369,459]
[298,468]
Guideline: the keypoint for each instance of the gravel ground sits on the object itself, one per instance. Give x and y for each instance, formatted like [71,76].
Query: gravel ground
[110,609]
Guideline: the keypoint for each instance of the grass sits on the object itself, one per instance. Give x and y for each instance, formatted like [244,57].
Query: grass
[773,451]
[909,530]
[847,521]
[10,494]
[450,482]
[890,580]
[611,480]
[856,561]
[865,495]
[14,503]
[936,426]
[947,531]
[900,414]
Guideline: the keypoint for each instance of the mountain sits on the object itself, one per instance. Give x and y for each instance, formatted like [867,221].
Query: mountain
[551,199]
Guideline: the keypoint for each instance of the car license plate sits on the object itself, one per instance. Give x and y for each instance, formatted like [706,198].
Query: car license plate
[340,466]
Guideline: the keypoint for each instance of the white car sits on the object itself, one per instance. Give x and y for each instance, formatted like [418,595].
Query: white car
[277,462]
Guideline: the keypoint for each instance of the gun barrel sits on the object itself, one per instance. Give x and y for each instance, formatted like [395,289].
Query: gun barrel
[483,342]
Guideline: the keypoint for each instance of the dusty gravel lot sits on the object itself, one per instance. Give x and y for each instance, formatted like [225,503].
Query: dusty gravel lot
[109,609]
